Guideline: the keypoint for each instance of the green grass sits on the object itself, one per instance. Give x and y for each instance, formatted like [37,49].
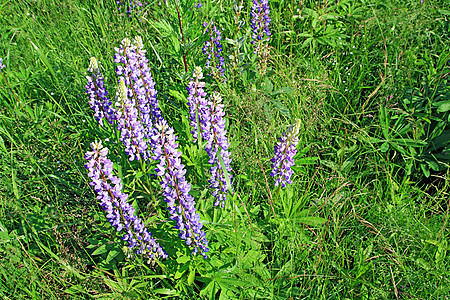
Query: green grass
[367,216]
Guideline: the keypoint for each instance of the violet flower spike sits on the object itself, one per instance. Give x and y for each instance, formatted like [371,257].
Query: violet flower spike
[98,96]
[1,64]
[217,143]
[129,6]
[212,49]
[133,67]
[119,213]
[198,105]
[260,32]
[260,22]
[180,203]
[285,151]
[131,130]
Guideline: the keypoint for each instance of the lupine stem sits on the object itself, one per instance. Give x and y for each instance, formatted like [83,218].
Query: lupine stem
[182,38]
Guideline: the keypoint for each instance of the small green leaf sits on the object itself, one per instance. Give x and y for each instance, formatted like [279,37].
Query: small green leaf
[313,221]
[111,255]
[191,277]
[100,250]
[425,170]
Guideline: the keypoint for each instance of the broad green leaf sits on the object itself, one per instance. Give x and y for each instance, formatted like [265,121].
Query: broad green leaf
[112,254]
[312,221]
[100,250]
[191,277]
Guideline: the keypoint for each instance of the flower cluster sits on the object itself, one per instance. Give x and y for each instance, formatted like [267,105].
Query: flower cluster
[1,64]
[285,151]
[98,99]
[176,189]
[133,68]
[212,50]
[131,129]
[260,27]
[260,22]
[119,213]
[209,116]
[198,105]
[129,6]
[217,147]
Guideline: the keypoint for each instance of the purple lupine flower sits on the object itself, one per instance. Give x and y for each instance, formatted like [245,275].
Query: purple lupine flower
[216,145]
[209,115]
[1,64]
[198,105]
[260,22]
[134,69]
[131,129]
[176,189]
[119,213]
[212,49]
[197,5]
[285,151]
[99,100]
[129,6]
[260,28]
[145,83]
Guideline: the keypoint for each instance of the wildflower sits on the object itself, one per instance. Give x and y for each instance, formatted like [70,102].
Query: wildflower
[129,6]
[260,21]
[98,95]
[285,151]
[260,28]
[134,69]
[209,116]
[180,203]
[217,144]
[1,64]
[119,213]
[198,105]
[212,49]
[131,130]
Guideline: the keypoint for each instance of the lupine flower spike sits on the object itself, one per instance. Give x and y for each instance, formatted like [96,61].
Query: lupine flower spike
[176,189]
[1,64]
[260,28]
[129,6]
[285,151]
[131,130]
[212,49]
[209,115]
[98,96]
[198,105]
[119,213]
[218,145]
[141,99]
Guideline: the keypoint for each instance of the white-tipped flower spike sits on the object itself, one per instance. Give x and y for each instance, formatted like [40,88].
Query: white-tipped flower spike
[133,68]
[93,65]
[209,115]
[285,151]
[131,131]
[216,145]
[138,42]
[99,101]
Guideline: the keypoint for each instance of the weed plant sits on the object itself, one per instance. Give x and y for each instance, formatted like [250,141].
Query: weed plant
[364,82]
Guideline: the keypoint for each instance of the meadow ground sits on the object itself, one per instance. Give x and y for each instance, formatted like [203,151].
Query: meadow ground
[367,214]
